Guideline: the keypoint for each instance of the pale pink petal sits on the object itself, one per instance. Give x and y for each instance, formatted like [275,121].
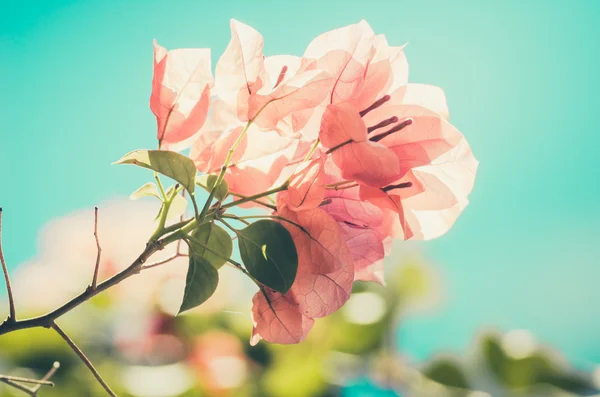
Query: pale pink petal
[241,65]
[428,225]
[319,295]
[365,245]
[307,186]
[304,91]
[367,162]
[278,69]
[210,150]
[264,162]
[341,122]
[346,206]
[420,143]
[397,61]
[344,53]
[277,320]
[180,94]
[437,194]
[320,247]
[423,95]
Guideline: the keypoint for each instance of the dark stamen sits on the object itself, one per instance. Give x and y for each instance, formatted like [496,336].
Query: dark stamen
[336,147]
[375,105]
[398,186]
[396,128]
[284,70]
[384,123]
[325,202]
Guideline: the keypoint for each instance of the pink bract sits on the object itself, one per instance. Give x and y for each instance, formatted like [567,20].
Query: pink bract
[180,94]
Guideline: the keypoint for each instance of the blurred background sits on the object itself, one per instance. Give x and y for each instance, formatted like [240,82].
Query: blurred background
[505,304]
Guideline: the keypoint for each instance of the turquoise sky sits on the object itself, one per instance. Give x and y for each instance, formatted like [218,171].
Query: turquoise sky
[522,81]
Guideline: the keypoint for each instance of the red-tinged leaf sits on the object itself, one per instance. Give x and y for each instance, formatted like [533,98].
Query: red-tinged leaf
[180,94]
[307,186]
[241,64]
[277,320]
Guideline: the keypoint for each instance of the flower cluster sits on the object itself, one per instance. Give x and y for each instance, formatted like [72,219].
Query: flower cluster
[363,156]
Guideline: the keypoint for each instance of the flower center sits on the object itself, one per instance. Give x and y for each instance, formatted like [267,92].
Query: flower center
[385,122]
[395,128]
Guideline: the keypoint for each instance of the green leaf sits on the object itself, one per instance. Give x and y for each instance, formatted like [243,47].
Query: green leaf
[447,372]
[201,282]
[207,182]
[149,189]
[269,253]
[171,164]
[216,239]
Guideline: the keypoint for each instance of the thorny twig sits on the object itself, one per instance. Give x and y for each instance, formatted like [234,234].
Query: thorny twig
[16,381]
[99,250]
[83,358]
[11,303]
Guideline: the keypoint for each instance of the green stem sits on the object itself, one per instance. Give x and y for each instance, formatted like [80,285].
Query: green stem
[160,186]
[222,173]
[312,150]
[257,196]
[163,215]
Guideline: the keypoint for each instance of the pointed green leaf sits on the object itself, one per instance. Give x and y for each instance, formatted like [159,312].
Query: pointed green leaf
[148,189]
[269,254]
[171,164]
[217,240]
[207,182]
[201,282]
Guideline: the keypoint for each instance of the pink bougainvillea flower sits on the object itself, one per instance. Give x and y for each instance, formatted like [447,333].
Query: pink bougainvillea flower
[367,248]
[260,162]
[428,198]
[180,94]
[307,186]
[323,282]
[383,133]
[261,103]
[277,319]
[260,92]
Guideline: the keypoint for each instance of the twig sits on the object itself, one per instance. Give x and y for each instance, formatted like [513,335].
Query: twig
[83,358]
[48,375]
[18,386]
[96,269]
[162,262]
[13,381]
[11,303]
[47,319]
[26,380]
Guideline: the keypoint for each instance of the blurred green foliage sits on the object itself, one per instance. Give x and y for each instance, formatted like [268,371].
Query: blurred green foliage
[207,354]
